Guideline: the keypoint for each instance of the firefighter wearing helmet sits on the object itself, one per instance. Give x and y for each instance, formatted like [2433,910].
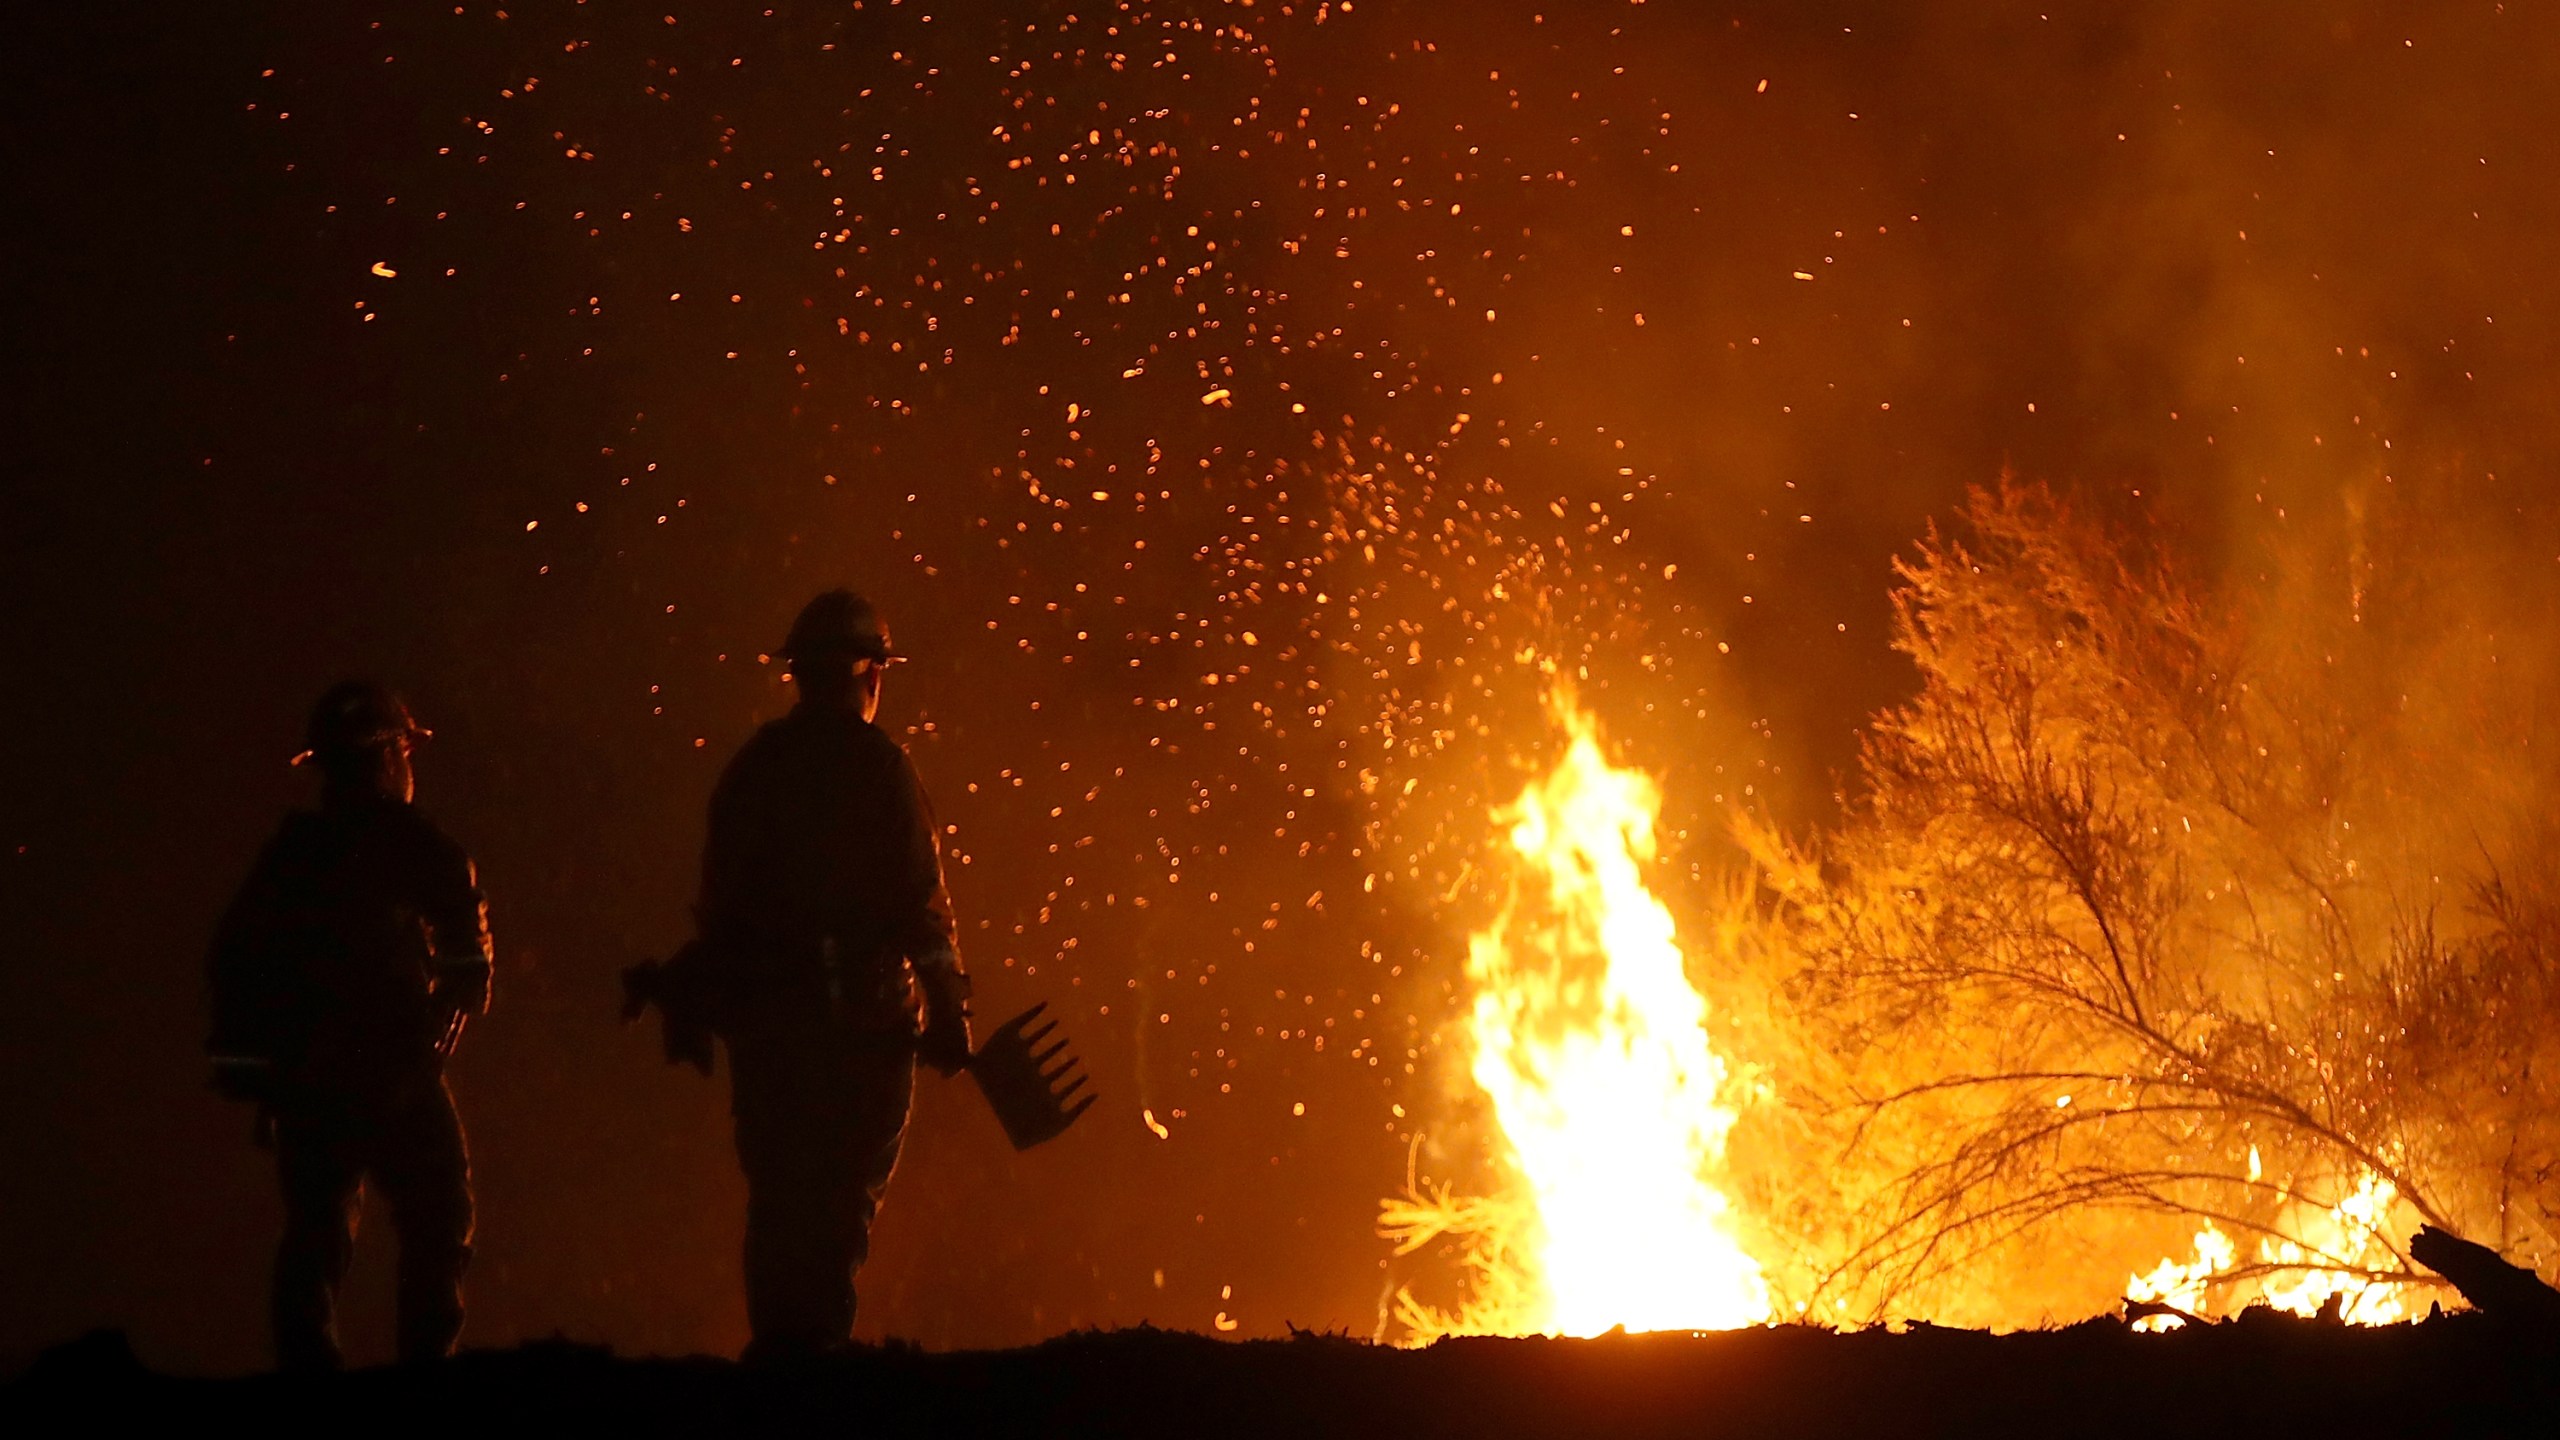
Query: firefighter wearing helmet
[341,977]
[828,960]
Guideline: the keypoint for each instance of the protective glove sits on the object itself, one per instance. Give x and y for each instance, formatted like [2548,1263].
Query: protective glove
[945,1044]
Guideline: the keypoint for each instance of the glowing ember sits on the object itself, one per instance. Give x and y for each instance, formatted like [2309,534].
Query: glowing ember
[1591,1044]
[2335,1260]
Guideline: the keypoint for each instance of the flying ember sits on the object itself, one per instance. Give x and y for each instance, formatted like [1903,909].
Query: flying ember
[1591,1045]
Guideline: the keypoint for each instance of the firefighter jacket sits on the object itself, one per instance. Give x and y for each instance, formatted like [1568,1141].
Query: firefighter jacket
[822,876]
[340,962]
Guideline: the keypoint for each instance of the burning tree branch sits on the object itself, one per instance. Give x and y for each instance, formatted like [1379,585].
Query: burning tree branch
[2129,911]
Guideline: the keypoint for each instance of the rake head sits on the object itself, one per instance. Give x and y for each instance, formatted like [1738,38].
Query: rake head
[1035,1100]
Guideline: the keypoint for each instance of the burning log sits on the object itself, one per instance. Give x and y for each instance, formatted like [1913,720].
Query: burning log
[2136,1311]
[2493,1285]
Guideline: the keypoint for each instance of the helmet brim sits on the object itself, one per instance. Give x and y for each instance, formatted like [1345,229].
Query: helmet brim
[414,733]
[847,652]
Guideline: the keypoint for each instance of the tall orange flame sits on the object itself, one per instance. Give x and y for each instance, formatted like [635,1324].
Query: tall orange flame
[1592,1046]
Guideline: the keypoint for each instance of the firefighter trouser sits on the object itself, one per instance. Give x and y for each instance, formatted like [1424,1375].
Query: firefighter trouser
[820,1115]
[410,1149]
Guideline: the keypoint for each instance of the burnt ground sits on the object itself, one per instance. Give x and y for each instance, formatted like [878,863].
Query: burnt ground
[2264,1376]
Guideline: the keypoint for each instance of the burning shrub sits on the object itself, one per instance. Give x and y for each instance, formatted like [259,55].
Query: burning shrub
[2167,903]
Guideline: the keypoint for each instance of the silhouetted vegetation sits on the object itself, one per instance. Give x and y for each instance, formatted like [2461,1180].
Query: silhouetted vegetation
[2222,899]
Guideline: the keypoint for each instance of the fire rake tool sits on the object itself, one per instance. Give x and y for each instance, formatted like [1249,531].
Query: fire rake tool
[1037,1090]
[1034,1100]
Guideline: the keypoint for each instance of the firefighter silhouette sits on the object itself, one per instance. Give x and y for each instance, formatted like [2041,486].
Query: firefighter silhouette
[828,960]
[341,978]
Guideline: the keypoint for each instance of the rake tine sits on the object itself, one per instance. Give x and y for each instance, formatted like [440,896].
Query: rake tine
[1020,1055]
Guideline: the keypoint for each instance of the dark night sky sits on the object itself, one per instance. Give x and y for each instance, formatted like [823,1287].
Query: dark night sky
[695,312]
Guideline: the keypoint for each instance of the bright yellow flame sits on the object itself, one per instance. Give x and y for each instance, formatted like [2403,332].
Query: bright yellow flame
[2331,1244]
[2184,1285]
[1592,1046]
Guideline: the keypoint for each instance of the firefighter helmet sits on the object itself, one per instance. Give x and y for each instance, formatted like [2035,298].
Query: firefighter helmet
[840,624]
[356,716]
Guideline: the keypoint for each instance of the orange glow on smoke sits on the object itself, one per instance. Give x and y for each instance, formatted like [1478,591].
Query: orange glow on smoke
[1591,1045]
